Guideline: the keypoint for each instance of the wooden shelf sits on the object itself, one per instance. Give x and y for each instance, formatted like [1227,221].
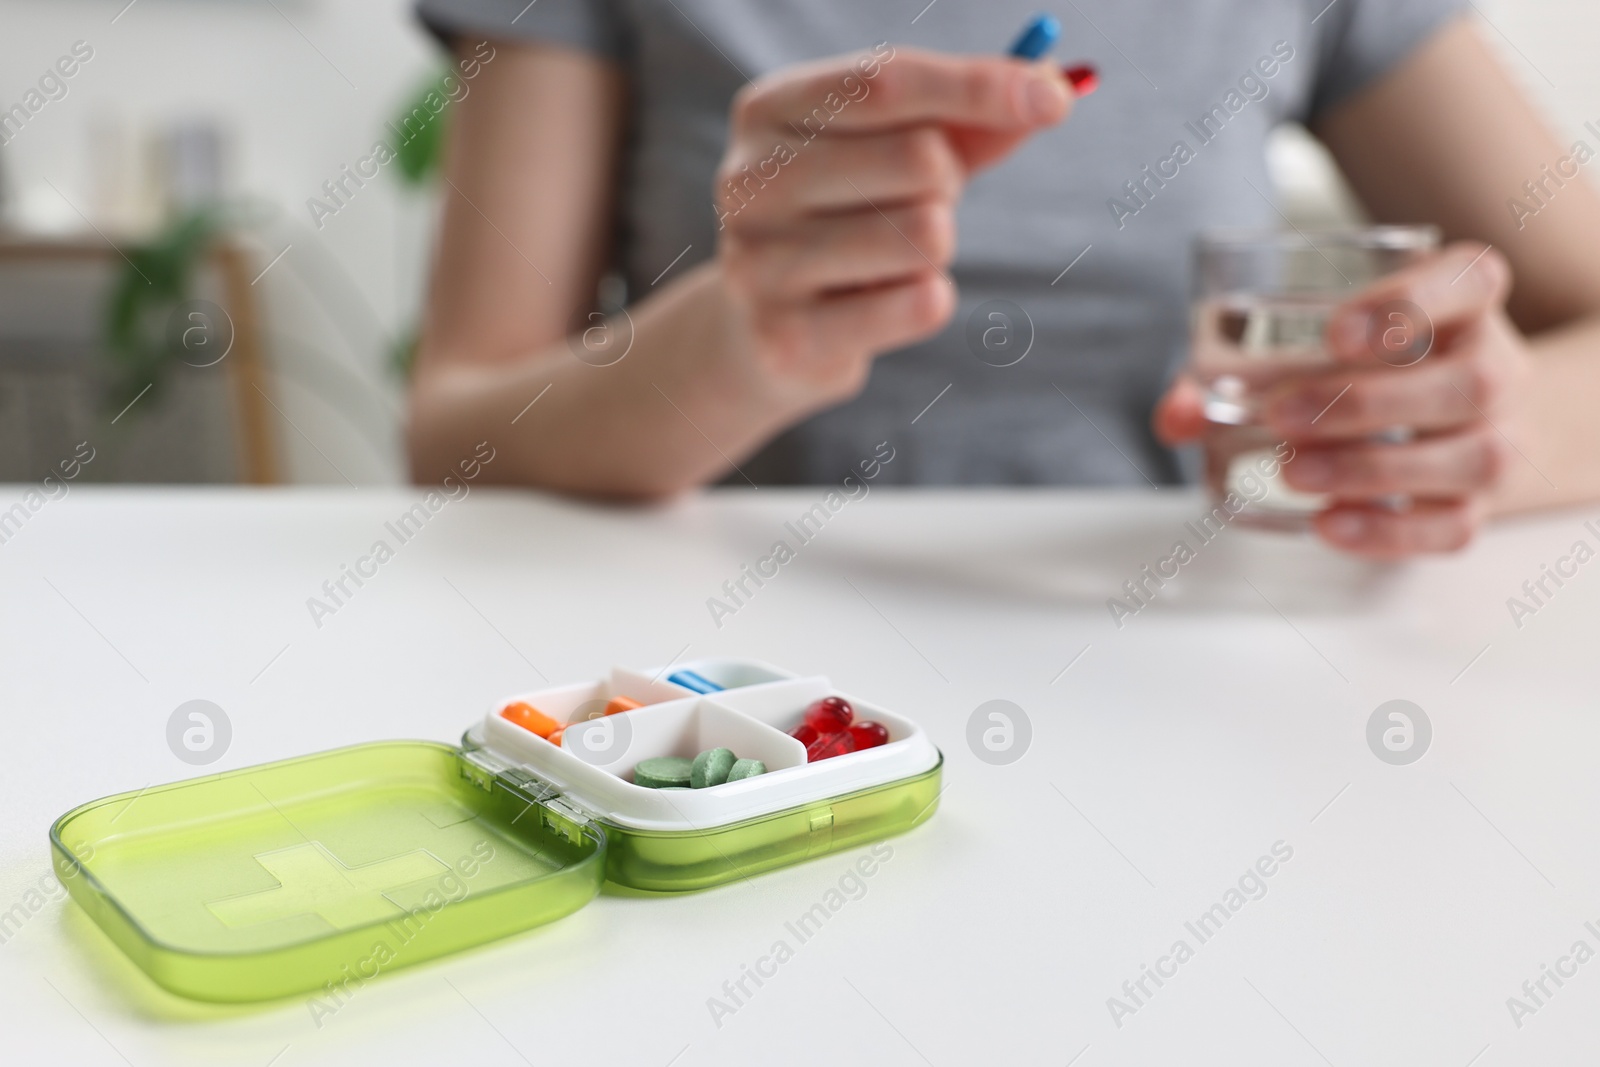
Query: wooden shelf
[255,442]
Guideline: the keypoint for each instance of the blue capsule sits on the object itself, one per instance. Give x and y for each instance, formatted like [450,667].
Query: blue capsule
[691,680]
[1038,37]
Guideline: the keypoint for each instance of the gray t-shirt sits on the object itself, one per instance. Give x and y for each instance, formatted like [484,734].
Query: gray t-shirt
[1109,193]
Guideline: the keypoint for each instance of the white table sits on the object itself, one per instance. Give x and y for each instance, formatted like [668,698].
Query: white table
[1166,757]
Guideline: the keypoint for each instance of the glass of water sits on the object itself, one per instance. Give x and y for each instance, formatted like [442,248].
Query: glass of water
[1262,300]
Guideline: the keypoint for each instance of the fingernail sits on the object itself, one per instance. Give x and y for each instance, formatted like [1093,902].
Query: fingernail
[1044,100]
[1311,471]
[1084,77]
[1347,526]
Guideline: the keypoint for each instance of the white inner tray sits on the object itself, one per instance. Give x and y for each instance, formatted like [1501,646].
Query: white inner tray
[594,763]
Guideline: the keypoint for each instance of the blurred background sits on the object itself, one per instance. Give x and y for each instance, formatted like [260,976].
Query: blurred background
[154,220]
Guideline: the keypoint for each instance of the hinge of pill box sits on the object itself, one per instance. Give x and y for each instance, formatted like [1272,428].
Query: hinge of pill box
[484,768]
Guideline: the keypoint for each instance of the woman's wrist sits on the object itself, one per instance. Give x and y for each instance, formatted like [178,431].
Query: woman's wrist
[1550,430]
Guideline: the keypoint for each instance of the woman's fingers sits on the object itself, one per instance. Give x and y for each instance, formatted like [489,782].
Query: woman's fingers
[1456,464]
[1427,349]
[891,316]
[1395,319]
[863,248]
[895,87]
[1465,384]
[1179,416]
[821,339]
[1424,526]
[841,174]
[837,195]
[910,124]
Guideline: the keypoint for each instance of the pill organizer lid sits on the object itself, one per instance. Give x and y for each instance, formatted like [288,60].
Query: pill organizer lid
[279,878]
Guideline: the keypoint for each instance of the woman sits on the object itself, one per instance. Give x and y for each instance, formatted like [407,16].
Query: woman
[787,229]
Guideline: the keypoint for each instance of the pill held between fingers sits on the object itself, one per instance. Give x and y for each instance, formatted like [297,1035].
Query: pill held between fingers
[691,680]
[620,704]
[711,767]
[663,772]
[1084,77]
[1037,37]
[529,717]
[746,768]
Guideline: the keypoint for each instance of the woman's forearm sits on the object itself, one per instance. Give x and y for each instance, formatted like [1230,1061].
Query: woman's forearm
[681,408]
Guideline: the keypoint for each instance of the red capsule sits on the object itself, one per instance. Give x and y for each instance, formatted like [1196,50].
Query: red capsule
[829,745]
[868,734]
[805,734]
[829,715]
[1085,78]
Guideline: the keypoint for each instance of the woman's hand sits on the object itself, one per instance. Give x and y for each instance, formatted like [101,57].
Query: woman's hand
[837,197]
[1454,396]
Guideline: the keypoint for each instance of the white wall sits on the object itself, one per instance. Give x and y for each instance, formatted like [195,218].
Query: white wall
[340,295]
[1549,47]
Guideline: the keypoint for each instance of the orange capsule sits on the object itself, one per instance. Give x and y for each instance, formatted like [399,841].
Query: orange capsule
[529,718]
[555,738]
[616,704]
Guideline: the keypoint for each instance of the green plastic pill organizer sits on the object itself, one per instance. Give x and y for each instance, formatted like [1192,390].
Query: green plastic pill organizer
[325,870]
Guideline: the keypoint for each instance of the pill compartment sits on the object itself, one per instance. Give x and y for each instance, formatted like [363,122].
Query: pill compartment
[783,707]
[597,776]
[576,703]
[731,673]
[617,743]
[672,840]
